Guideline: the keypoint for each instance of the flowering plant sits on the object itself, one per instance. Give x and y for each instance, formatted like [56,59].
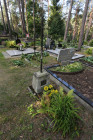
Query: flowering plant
[49,90]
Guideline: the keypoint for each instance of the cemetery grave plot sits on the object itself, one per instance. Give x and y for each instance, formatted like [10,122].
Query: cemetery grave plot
[82,82]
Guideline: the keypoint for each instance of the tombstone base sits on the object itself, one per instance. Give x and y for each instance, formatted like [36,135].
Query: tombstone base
[40,80]
[65,63]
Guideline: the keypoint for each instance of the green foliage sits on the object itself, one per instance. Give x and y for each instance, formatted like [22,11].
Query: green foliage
[11,43]
[74,67]
[61,108]
[45,54]
[72,44]
[56,23]
[37,17]
[64,44]
[35,56]
[91,43]
[85,42]
[89,50]
[1,28]
[18,62]
[24,45]
[65,115]
[88,59]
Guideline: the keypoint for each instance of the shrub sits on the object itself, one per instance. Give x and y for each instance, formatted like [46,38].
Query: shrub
[61,108]
[23,44]
[89,50]
[11,43]
[85,42]
[64,44]
[31,44]
[91,43]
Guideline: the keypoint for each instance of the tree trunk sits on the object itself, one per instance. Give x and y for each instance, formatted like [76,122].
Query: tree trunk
[83,24]
[92,36]
[89,24]
[34,22]
[10,15]
[23,16]
[3,18]
[26,15]
[67,25]
[75,28]
[7,18]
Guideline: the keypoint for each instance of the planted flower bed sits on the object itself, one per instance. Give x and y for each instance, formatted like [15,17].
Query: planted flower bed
[61,110]
[69,69]
[81,82]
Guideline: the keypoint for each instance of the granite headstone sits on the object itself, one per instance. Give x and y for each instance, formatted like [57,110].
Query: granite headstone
[65,55]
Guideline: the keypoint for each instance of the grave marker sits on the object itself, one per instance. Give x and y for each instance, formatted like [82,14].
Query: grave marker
[65,55]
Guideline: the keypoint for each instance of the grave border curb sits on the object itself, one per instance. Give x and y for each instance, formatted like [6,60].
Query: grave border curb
[79,96]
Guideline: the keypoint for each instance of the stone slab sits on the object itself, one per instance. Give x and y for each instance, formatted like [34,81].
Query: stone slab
[77,56]
[18,52]
[56,52]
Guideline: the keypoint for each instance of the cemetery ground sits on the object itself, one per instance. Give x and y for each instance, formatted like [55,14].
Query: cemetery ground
[15,122]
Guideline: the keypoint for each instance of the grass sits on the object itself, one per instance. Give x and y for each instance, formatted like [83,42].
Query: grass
[15,122]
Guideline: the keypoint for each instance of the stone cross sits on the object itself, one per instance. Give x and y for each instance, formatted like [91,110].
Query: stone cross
[65,55]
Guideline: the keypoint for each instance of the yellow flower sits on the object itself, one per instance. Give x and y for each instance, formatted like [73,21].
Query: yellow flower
[46,88]
[50,86]
[52,91]
[56,91]
[50,94]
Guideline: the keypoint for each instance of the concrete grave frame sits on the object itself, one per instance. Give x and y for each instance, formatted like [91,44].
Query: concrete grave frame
[87,103]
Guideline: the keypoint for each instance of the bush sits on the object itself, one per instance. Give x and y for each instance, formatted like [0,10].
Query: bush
[89,50]
[91,43]
[31,44]
[64,44]
[11,43]
[85,42]
[61,108]
[24,45]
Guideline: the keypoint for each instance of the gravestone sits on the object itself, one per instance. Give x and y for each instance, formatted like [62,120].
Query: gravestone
[65,55]
[40,80]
